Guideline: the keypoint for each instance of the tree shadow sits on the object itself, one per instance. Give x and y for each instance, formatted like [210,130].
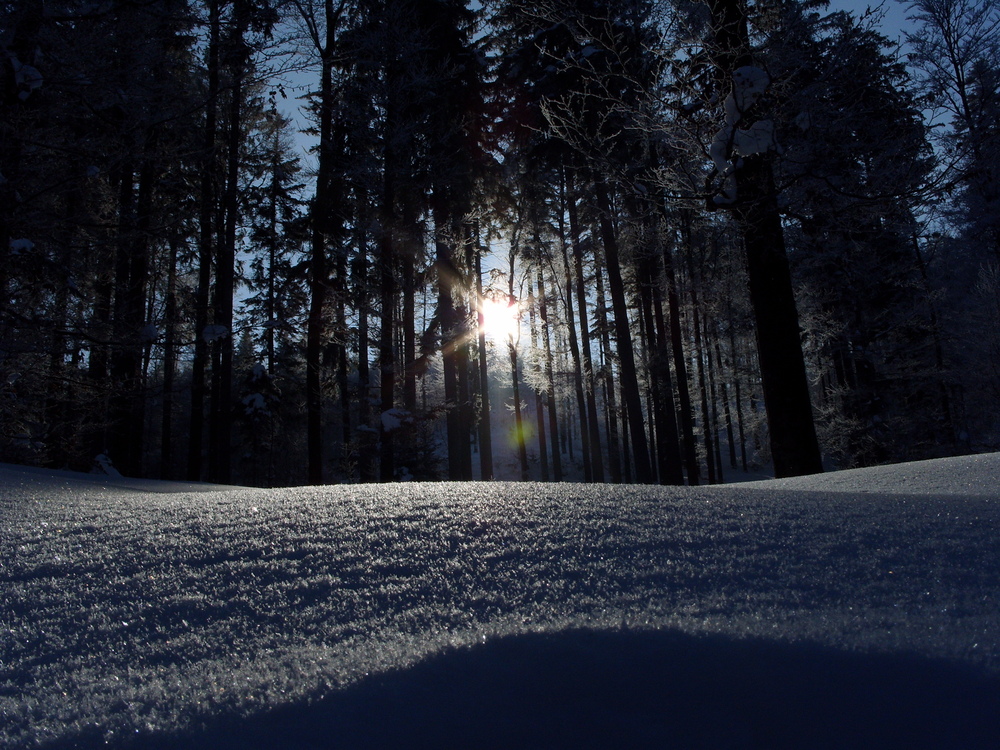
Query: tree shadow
[664,689]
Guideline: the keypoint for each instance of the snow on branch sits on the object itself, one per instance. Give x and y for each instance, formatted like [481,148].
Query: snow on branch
[732,142]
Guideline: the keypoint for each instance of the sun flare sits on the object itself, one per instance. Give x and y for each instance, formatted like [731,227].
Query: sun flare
[500,320]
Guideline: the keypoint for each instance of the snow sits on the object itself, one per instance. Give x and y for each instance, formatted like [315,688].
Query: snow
[21,245]
[26,77]
[393,419]
[214,332]
[104,466]
[757,139]
[852,609]
[749,84]
[255,403]
[719,151]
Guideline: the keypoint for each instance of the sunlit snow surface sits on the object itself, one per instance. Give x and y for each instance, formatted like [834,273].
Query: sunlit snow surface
[854,610]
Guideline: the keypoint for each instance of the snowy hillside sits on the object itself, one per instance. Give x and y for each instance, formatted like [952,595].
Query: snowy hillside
[854,610]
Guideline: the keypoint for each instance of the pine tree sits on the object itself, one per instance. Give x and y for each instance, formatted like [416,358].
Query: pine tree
[750,189]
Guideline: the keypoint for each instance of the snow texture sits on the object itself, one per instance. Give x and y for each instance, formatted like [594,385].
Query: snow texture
[849,610]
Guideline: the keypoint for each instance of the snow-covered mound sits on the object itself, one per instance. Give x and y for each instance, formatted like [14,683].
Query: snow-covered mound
[503,614]
[976,476]
[31,481]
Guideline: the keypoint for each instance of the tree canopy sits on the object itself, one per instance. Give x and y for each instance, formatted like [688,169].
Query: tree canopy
[733,238]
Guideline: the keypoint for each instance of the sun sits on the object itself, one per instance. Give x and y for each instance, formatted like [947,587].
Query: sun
[500,319]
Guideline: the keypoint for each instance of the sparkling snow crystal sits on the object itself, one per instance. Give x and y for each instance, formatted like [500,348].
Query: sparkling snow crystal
[853,609]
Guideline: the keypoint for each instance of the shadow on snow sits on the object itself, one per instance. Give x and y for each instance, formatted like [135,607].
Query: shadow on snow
[586,688]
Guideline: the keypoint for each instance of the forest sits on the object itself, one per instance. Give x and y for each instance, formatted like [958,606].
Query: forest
[285,242]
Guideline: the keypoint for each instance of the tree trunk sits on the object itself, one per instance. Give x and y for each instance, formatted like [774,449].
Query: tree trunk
[125,440]
[713,400]
[670,454]
[206,252]
[629,379]
[169,364]
[485,422]
[543,314]
[706,423]
[794,446]
[366,457]
[465,413]
[543,453]
[782,367]
[586,359]
[319,275]
[745,465]
[626,453]
[522,450]
[343,336]
[446,277]
[726,407]
[611,405]
[270,298]
[220,456]
[680,364]
[574,346]
[386,351]
[649,394]
[412,240]
[464,356]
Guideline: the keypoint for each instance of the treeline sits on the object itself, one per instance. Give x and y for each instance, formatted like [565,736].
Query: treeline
[734,236]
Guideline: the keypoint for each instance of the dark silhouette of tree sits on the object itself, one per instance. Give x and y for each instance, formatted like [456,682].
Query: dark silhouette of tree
[750,191]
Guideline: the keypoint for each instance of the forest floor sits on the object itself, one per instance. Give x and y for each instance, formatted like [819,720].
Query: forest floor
[852,609]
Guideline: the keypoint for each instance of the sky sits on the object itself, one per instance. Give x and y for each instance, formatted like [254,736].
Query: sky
[845,610]
[894,23]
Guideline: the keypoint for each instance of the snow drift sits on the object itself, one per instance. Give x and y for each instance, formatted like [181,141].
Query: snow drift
[847,610]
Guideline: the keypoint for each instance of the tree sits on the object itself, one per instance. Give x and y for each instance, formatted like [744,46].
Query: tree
[324,27]
[855,163]
[589,59]
[956,53]
[146,183]
[742,155]
[956,49]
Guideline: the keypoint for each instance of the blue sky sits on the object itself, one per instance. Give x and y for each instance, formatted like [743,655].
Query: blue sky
[895,13]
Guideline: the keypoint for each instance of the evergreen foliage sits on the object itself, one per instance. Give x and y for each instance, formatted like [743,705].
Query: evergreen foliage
[185,292]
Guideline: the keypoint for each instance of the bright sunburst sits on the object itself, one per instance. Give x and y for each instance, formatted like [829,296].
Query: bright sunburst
[500,320]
